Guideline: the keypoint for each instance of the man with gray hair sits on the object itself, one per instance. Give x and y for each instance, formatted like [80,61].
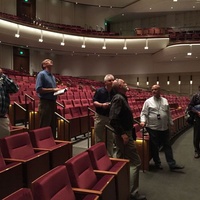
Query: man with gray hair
[102,99]
[121,119]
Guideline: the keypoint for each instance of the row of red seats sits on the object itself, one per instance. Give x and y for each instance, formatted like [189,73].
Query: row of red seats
[34,154]
[80,167]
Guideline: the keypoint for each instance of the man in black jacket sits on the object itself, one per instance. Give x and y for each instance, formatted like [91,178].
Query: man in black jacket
[121,119]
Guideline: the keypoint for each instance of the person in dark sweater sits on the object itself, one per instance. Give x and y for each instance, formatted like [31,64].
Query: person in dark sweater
[121,119]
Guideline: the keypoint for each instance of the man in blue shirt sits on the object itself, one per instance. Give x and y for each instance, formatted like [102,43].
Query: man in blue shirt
[45,87]
[7,86]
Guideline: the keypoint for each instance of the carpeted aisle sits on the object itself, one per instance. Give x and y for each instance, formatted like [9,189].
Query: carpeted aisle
[167,185]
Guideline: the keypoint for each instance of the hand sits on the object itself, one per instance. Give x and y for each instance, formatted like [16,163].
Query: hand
[105,105]
[142,124]
[125,138]
[56,89]
[198,113]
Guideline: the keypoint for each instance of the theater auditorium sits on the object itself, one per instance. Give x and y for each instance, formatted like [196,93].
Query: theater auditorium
[145,43]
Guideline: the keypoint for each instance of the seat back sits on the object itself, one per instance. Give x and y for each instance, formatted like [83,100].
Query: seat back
[42,137]
[2,162]
[54,185]
[99,157]
[21,194]
[80,171]
[17,146]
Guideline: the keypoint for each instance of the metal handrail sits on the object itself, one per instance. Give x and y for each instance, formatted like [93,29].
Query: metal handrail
[66,121]
[89,125]
[22,108]
[27,114]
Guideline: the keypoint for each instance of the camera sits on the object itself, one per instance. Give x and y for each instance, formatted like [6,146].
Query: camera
[158,116]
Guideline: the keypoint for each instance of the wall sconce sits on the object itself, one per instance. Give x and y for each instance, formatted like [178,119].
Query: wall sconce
[63,41]
[179,80]
[146,46]
[41,38]
[168,81]
[190,52]
[83,45]
[104,44]
[125,47]
[17,34]
[157,82]
[191,82]
[138,83]
[147,80]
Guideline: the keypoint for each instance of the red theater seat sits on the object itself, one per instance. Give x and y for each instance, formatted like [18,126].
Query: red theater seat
[21,194]
[59,151]
[11,178]
[18,147]
[82,176]
[118,167]
[55,185]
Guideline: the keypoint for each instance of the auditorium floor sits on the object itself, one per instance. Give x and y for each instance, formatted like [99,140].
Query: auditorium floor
[164,184]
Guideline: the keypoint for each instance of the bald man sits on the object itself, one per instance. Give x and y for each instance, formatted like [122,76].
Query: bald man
[155,115]
[121,119]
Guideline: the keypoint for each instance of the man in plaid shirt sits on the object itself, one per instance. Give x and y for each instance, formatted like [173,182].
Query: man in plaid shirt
[7,86]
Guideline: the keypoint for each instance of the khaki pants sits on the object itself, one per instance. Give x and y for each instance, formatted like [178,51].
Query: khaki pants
[129,152]
[47,116]
[4,127]
[99,132]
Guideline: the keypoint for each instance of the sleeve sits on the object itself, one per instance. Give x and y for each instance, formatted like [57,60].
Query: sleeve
[39,82]
[144,112]
[95,97]
[10,86]
[169,114]
[114,116]
[192,104]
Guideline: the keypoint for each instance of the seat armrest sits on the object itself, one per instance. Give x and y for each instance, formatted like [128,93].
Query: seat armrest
[11,166]
[104,172]
[86,191]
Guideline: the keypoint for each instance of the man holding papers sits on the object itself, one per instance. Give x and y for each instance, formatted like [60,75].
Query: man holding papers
[46,89]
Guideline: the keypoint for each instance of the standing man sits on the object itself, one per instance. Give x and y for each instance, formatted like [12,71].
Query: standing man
[156,117]
[121,119]
[102,99]
[194,106]
[7,86]
[45,87]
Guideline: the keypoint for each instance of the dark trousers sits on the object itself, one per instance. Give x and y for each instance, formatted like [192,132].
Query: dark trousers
[158,139]
[47,116]
[196,137]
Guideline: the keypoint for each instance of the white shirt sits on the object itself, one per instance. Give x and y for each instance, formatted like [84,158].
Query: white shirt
[153,109]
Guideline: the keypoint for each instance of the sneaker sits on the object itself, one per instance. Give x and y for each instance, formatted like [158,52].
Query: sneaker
[176,167]
[138,196]
[197,155]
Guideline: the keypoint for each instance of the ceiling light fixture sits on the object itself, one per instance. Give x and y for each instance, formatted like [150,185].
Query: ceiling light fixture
[63,40]
[146,46]
[125,47]
[83,45]
[104,44]
[17,34]
[41,37]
